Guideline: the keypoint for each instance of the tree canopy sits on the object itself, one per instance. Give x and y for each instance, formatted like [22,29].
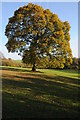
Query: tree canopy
[36,33]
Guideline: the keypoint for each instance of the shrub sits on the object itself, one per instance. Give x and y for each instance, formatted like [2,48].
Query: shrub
[13,63]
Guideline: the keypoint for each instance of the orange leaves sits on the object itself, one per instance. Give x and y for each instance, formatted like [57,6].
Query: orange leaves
[59,34]
[67,37]
[39,20]
[17,33]
[63,60]
[12,19]
[20,16]
[50,26]
[63,44]
[47,12]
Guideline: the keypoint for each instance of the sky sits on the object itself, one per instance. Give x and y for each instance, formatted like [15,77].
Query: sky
[65,11]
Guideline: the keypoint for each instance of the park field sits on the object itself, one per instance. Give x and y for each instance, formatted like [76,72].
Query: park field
[43,94]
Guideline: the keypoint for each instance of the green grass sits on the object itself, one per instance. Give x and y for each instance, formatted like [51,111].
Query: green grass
[45,93]
[18,61]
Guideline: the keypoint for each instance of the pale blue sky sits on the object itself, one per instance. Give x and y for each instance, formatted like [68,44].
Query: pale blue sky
[65,11]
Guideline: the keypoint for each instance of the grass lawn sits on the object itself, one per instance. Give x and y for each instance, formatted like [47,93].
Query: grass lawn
[43,94]
[18,61]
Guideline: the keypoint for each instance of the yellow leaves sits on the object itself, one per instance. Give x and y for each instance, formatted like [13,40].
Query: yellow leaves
[71,61]
[55,33]
[42,32]
[20,15]
[29,30]
[52,37]
[34,7]
[50,26]
[46,40]
[12,19]
[39,16]
[34,32]
[67,37]
[39,20]
[38,8]
[63,60]
[59,41]
[56,41]
[61,65]
[17,33]
[56,63]
[50,49]
[54,60]
[43,44]
[63,44]
[55,16]
[47,11]
[30,5]
[67,25]
[36,15]
[61,32]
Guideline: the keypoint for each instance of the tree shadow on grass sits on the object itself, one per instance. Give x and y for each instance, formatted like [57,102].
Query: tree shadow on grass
[18,108]
[40,86]
[66,82]
[23,107]
[44,97]
[65,79]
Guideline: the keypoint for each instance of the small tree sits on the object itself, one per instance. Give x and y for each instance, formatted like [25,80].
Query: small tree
[36,33]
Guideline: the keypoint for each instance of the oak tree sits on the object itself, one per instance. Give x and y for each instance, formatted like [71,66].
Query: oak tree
[36,33]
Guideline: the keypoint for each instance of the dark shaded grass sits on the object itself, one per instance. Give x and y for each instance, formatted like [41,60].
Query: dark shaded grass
[42,86]
[40,96]
[34,108]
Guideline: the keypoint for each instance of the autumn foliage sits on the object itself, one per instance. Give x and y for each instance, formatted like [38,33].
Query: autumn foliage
[38,34]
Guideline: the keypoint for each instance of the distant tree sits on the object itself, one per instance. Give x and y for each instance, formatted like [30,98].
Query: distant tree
[9,59]
[79,63]
[36,33]
[75,61]
[75,64]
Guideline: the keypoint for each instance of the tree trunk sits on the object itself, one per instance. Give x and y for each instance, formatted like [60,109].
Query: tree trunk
[34,67]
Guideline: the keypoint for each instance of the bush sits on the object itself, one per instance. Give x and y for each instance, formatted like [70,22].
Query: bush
[12,63]
[75,64]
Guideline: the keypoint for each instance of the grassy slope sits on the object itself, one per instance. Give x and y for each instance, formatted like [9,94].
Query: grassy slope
[46,93]
[18,61]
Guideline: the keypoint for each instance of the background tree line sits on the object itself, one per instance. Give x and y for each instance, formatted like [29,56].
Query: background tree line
[44,63]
